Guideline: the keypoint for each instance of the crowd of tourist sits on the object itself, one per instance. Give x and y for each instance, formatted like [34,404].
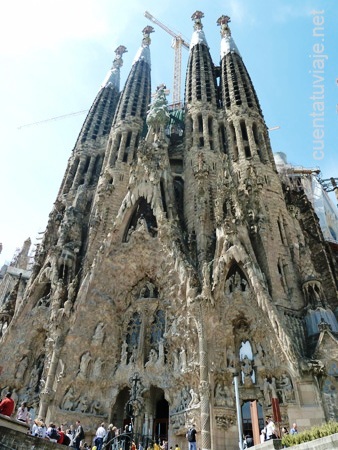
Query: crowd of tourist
[71,436]
[74,436]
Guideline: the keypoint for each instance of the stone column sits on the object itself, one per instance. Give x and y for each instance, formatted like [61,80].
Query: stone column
[47,394]
[204,387]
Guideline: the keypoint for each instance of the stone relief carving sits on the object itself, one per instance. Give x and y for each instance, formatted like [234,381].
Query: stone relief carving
[99,334]
[223,396]
[236,283]
[69,401]
[152,359]
[269,389]
[148,290]
[247,371]
[225,421]
[195,400]
[81,403]
[286,388]
[84,363]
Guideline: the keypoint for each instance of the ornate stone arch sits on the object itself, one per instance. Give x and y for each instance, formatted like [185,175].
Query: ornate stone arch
[141,216]
[238,255]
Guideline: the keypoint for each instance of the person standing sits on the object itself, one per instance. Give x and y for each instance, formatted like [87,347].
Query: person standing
[108,439]
[249,441]
[100,434]
[22,413]
[294,429]
[79,435]
[191,436]
[270,429]
[7,405]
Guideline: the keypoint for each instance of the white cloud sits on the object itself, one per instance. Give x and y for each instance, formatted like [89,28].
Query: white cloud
[46,24]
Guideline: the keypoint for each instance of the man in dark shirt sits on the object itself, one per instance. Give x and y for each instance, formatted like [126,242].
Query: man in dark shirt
[79,435]
[7,405]
[191,436]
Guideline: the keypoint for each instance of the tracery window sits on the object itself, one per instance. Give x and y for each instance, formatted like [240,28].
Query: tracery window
[157,327]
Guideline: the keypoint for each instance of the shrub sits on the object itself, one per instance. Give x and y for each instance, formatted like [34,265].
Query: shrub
[313,433]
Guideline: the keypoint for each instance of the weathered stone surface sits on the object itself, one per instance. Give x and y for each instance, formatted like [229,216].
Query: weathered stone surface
[173,259]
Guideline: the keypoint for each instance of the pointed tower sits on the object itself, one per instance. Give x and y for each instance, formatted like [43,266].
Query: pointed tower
[248,132]
[127,129]
[86,161]
[202,144]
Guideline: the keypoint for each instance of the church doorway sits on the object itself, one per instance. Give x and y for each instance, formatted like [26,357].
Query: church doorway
[253,419]
[119,416]
[160,408]
[151,425]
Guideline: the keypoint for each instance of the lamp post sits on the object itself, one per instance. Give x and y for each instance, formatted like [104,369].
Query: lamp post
[239,412]
[135,404]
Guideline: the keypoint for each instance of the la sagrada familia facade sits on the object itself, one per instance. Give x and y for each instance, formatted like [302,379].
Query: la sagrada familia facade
[174,259]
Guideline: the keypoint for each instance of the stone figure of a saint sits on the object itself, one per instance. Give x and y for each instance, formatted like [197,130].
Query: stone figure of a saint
[98,336]
[84,362]
[183,359]
[68,402]
[220,395]
[195,401]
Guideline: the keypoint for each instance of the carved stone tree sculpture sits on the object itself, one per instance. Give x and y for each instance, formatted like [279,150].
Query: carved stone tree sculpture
[158,115]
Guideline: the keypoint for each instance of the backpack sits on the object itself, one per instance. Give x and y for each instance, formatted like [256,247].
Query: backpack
[66,440]
[54,434]
[191,435]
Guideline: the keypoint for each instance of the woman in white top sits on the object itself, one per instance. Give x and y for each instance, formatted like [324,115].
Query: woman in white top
[22,413]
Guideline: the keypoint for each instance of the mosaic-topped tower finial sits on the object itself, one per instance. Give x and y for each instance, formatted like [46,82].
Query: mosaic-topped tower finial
[227,44]
[144,51]
[198,36]
[113,76]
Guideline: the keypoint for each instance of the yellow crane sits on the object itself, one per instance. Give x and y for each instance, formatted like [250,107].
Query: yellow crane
[177,44]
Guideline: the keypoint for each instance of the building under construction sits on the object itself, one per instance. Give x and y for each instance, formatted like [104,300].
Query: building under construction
[175,261]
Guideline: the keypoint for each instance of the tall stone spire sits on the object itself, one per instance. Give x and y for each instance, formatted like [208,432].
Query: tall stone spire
[132,108]
[202,141]
[66,233]
[200,82]
[85,164]
[248,132]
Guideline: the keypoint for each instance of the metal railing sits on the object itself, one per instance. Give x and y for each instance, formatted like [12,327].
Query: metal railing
[123,441]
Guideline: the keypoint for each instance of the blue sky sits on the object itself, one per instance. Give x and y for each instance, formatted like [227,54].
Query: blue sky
[54,55]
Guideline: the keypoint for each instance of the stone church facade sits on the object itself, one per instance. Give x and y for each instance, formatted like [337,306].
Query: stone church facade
[174,259]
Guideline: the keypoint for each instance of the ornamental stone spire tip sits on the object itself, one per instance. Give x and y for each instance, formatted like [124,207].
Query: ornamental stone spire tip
[113,77]
[143,52]
[227,43]
[198,36]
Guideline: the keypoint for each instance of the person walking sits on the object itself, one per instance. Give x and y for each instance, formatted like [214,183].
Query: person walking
[191,436]
[100,434]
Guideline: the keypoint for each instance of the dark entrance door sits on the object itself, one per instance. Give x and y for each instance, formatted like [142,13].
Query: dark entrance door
[160,424]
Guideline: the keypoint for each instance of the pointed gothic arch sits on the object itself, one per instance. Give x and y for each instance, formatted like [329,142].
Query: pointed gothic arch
[142,215]
[236,280]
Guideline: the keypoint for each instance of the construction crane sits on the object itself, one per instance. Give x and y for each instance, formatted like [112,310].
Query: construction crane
[177,44]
